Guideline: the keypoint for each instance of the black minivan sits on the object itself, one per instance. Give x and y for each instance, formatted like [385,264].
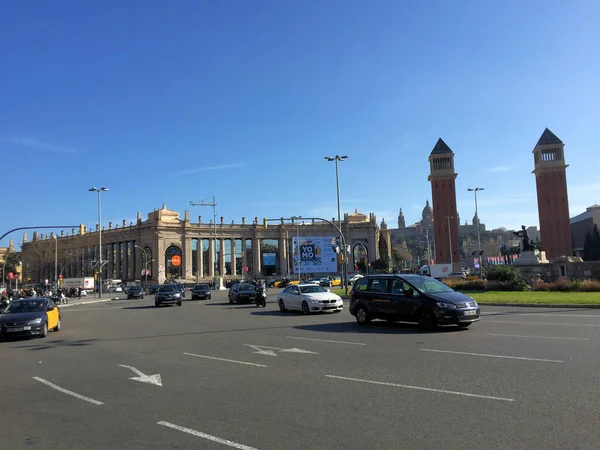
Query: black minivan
[411,298]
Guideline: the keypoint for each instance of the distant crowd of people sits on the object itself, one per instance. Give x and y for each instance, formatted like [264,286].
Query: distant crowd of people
[74,292]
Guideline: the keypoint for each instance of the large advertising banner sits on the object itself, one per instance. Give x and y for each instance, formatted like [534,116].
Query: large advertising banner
[269,259]
[314,255]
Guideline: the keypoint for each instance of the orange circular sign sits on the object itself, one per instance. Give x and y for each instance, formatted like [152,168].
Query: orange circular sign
[176,260]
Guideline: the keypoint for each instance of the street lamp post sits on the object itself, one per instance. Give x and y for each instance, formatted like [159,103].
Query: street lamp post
[337,158]
[475,190]
[55,261]
[450,239]
[145,262]
[99,190]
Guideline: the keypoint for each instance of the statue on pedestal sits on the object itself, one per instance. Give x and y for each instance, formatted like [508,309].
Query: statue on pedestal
[528,245]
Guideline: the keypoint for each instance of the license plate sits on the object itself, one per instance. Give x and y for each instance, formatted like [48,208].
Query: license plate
[470,312]
[14,329]
[26,328]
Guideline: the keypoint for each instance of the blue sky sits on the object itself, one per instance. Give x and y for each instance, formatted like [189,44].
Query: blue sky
[168,102]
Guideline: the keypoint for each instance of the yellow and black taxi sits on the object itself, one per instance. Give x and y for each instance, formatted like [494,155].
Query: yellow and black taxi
[29,317]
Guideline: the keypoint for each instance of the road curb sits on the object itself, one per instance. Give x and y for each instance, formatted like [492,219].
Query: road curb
[539,305]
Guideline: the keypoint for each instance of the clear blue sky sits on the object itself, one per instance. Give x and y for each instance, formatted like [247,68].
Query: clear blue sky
[172,101]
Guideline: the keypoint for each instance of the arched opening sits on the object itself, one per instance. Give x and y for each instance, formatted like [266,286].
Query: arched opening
[173,263]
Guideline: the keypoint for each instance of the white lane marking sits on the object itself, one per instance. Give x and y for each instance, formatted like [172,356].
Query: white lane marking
[536,337]
[491,356]
[223,359]
[540,314]
[420,388]
[547,323]
[325,340]
[270,350]
[210,437]
[65,391]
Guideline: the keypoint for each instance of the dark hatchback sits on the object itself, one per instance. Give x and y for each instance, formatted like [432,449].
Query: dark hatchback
[411,298]
[29,317]
[201,291]
[135,292]
[167,294]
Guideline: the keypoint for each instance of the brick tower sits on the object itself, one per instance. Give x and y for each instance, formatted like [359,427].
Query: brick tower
[443,196]
[553,200]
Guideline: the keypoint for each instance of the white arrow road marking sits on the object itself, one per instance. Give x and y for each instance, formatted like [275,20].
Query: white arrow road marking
[210,437]
[270,350]
[71,393]
[297,350]
[260,351]
[150,379]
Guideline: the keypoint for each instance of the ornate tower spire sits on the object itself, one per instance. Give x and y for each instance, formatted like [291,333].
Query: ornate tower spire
[401,222]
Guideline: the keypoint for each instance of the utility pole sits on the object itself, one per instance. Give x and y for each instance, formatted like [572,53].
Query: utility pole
[214,207]
[428,246]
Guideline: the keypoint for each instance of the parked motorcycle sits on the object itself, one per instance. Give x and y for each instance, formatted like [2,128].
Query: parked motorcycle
[261,297]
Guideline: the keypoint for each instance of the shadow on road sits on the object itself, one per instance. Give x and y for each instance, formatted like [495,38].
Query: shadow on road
[275,312]
[375,327]
[217,304]
[46,344]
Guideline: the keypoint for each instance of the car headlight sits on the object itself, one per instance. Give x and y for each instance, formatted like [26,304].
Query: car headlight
[35,321]
[444,305]
[178,294]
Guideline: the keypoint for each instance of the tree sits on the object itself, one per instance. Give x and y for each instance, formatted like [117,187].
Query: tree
[591,246]
[379,265]
[11,264]
[383,250]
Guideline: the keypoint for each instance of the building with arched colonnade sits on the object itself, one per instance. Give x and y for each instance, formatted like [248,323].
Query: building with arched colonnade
[170,247]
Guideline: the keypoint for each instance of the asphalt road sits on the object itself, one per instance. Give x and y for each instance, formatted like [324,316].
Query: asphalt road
[237,376]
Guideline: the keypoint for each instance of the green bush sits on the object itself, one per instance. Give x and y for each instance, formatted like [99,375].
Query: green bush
[508,276]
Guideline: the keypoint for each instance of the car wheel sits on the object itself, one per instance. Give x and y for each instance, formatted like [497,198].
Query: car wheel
[179,303]
[142,297]
[209,297]
[57,327]
[230,301]
[362,316]
[305,308]
[464,325]
[281,305]
[427,320]
[44,330]
[156,304]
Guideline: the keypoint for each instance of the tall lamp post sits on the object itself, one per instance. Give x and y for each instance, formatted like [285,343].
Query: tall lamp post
[337,158]
[55,261]
[99,190]
[145,262]
[450,240]
[475,190]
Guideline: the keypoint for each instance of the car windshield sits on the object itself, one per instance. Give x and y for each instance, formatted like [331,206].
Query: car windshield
[202,286]
[135,288]
[246,287]
[428,285]
[25,306]
[168,288]
[311,289]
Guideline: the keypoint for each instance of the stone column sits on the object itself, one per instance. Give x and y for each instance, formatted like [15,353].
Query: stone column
[233,256]
[221,257]
[118,261]
[200,259]
[244,259]
[159,257]
[187,256]
[256,264]
[283,265]
[211,257]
